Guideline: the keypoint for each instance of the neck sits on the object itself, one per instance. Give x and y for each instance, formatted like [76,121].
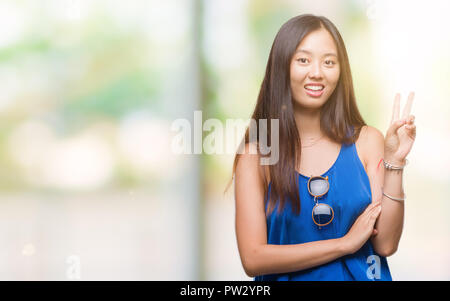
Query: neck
[308,123]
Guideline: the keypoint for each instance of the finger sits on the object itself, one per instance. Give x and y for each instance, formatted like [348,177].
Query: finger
[410,127]
[368,212]
[373,214]
[411,130]
[376,208]
[411,119]
[375,232]
[372,205]
[375,204]
[375,211]
[395,126]
[407,108]
[396,108]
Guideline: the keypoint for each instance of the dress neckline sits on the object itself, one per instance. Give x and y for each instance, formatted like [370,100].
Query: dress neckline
[329,169]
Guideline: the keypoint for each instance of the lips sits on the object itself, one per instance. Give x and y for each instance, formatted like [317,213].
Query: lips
[314,89]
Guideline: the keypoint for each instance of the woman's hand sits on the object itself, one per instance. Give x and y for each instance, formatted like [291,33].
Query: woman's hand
[401,133]
[362,228]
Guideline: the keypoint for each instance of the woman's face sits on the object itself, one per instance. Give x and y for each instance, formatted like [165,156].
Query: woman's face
[314,69]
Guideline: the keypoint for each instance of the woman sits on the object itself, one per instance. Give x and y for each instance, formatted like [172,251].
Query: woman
[331,208]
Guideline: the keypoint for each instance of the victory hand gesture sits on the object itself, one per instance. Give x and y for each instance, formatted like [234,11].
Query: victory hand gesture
[401,133]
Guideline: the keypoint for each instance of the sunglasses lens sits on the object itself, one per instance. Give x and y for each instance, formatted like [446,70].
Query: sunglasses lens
[318,186]
[322,214]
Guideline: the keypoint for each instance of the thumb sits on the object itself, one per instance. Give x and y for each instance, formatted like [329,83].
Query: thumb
[395,126]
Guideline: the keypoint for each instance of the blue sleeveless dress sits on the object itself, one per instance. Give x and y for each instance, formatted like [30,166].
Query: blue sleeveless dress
[349,194]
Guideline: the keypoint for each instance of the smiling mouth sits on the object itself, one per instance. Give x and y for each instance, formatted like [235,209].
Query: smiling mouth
[314,90]
[314,87]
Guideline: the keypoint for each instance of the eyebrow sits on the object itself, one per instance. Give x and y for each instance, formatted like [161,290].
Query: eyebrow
[309,52]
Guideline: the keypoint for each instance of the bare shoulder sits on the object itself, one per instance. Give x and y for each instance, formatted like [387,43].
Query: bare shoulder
[249,162]
[370,143]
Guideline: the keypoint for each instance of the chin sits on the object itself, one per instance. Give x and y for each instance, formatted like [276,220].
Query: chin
[312,103]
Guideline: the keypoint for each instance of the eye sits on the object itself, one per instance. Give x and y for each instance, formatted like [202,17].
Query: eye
[303,60]
[329,63]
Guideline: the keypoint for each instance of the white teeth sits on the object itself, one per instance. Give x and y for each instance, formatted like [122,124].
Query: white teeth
[315,88]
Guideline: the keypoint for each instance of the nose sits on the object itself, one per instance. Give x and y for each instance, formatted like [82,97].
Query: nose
[315,71]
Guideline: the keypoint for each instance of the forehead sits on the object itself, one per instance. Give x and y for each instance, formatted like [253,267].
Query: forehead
[318,42]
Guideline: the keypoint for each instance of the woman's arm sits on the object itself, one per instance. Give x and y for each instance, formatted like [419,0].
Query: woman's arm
[394,148]
[258,257]
[390,222]
[389,225]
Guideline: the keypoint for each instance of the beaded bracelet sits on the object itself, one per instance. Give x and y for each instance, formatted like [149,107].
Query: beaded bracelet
[389,166]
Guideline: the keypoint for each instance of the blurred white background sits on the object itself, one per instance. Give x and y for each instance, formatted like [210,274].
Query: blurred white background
[89,186]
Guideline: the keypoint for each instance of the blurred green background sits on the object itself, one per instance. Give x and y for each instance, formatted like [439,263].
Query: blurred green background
[90,188]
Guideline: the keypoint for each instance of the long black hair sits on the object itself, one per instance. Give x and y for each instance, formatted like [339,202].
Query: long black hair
[339,115]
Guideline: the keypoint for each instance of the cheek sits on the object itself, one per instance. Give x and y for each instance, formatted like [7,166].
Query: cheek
[298,74]
[333,76]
